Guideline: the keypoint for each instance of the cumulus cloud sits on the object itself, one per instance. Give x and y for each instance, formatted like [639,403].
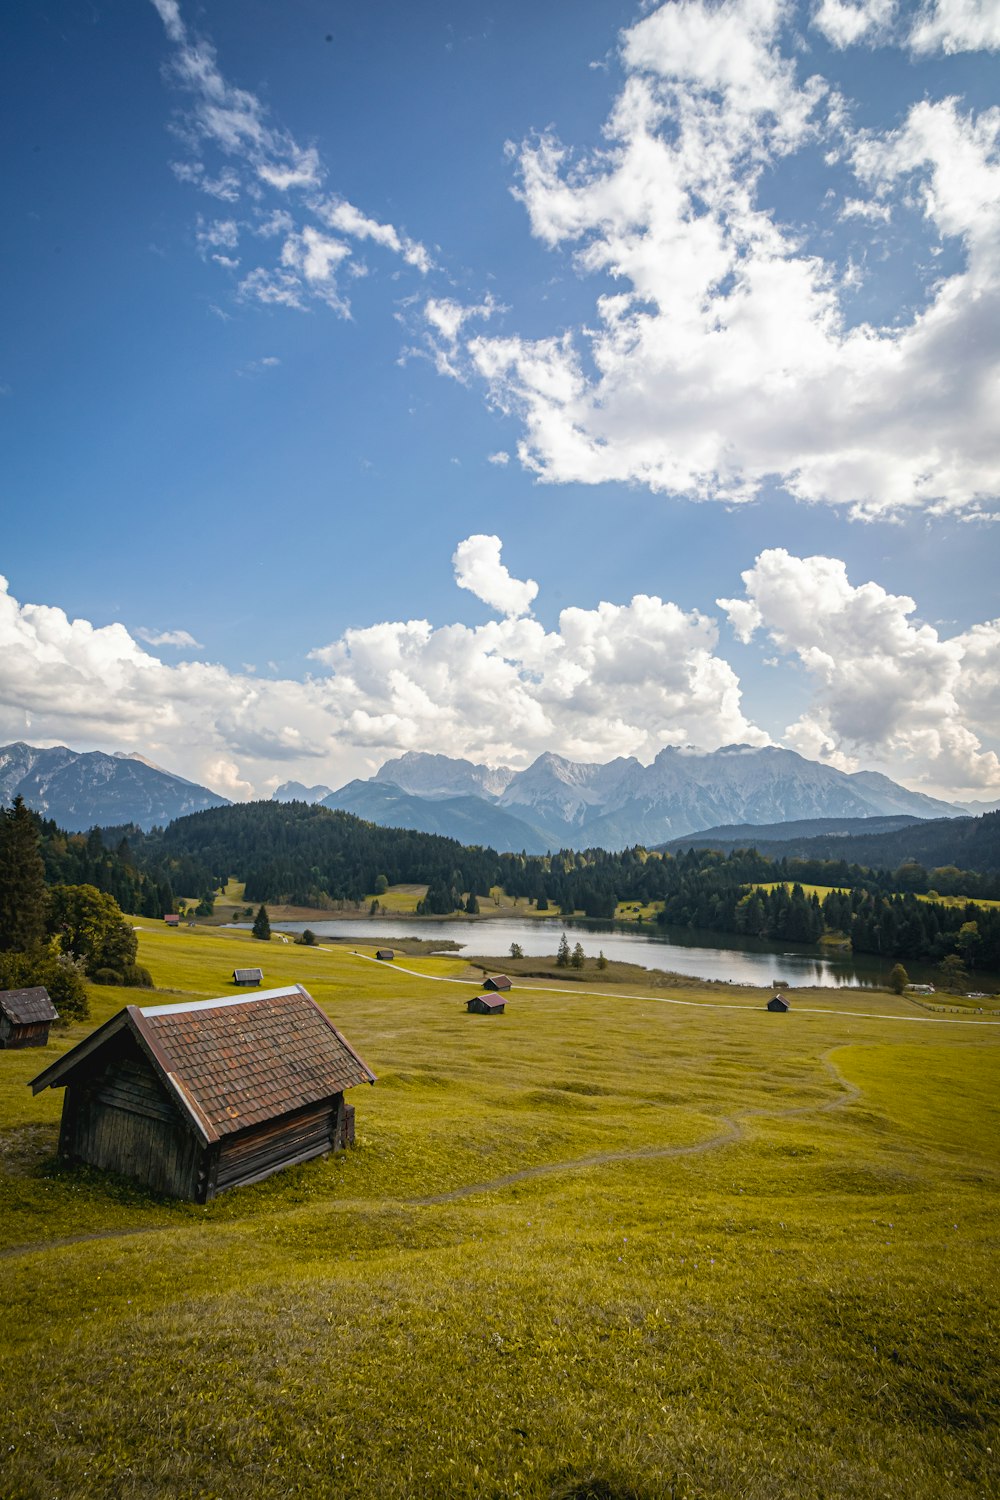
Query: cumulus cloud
[956,26]
[621,679]
[259,157]
[478,568]
[846,22]
[886,687]
[182,639]
[722,354]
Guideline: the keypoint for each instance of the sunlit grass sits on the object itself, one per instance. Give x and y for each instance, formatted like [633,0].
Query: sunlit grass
[755,1257]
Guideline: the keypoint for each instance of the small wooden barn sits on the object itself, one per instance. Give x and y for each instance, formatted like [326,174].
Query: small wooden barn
[172,919]
[497,982]
[384,953]
[778,1002]
[486,1005]
[197,1098]
[25,1017]
[248,976]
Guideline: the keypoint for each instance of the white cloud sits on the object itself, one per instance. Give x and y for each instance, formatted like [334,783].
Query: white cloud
[182,639]
[722,355]
[615,680]
[956,26]
[478,568]
[887,688]
[501,459]
[261,156]
[845,22]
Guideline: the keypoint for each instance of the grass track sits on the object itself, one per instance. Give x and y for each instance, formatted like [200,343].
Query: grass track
[598,1246]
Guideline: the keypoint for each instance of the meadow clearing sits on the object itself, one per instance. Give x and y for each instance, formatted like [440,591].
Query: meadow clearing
[617,1245]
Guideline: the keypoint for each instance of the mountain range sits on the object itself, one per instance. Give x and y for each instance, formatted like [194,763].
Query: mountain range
[558,803]
[554,803]
[81,789]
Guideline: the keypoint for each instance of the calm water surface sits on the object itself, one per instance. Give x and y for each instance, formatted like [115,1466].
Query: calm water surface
[700,955]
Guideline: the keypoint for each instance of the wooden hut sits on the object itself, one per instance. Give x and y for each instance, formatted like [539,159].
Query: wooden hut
[778,1002]
[486,1005]
[172,919]
[384,953]
[197,1098]
[25,1017]
[497,982]
[248,976]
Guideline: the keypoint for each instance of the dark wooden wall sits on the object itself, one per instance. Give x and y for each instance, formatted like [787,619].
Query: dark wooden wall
[123,1120]
[34,1034]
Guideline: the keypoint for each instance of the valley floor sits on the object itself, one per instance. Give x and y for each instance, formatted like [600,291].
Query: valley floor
[621,1245]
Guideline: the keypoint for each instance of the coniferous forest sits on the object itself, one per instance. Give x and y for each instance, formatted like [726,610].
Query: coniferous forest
[311,856]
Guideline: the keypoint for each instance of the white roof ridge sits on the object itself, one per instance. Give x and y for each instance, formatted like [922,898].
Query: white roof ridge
[220,1002]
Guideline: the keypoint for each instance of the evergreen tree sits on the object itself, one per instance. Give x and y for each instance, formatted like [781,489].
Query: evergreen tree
[577,959]
[602,962]
[262,926]
[898,979]
[562,957]
[22,881]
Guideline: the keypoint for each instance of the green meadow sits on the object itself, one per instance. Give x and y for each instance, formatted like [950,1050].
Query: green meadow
[619,1243]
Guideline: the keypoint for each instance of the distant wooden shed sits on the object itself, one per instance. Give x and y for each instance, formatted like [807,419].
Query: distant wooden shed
[25,1017]
[248,976]
[194,1099]
[497,982]
[778,1002]
[386,953]
[486,1005]
[172,919]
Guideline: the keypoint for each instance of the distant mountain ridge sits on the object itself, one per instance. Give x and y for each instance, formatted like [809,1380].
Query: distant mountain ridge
[84,789]
[559,803]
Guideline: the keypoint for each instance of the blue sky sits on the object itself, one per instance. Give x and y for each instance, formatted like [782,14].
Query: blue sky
[329,331]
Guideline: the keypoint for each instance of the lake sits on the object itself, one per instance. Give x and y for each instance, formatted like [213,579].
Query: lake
[702,955]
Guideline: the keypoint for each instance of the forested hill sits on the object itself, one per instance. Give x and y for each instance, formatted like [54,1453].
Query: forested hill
[306,855]
[970,843]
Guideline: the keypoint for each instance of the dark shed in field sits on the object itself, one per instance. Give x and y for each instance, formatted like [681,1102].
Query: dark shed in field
[25,1017]
[172,919]
[193,1099]
[778,1003]
[386,953]
[496,982]
[486,1005]
[248,976]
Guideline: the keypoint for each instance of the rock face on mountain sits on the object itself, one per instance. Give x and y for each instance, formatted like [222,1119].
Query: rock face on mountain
[559,803]
[81,789]
[294,791]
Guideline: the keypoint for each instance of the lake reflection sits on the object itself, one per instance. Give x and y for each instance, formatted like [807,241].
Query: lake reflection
[701,955]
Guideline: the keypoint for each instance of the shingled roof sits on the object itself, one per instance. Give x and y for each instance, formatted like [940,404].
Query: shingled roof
[28,1007]
[232,1062]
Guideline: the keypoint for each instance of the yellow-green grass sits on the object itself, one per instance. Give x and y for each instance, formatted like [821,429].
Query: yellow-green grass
[783,1286]
[399,898]
[637,911]
[958,900]
[822,891]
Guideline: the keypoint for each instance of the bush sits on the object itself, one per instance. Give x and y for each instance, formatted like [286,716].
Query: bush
[107,976]
[138,978]
[308,937]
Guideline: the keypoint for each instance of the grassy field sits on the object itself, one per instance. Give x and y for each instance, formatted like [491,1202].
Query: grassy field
[619,1245]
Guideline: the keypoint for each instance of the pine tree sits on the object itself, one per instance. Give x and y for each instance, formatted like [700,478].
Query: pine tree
[577,959]
[23,898]
[262,926]
[562,957]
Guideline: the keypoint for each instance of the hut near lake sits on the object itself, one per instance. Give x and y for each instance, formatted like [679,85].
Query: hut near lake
[25,1017]
[777,1003]
[497,982]
[196,1098]
[486,1005]
[248,976]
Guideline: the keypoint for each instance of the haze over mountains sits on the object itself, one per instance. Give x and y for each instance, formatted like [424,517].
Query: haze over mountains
[558,803]
[80,789]
[553,803]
